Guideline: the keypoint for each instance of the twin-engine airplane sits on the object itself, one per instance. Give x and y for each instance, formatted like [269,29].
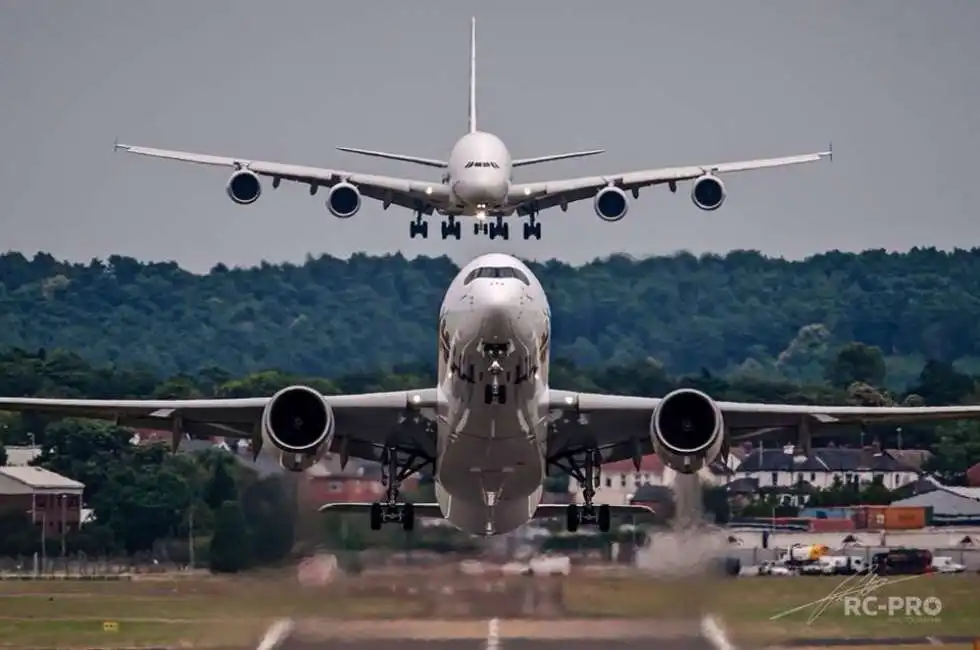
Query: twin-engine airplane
[492,429]
[477,181]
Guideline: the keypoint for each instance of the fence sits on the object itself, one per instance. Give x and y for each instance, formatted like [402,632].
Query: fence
[81,566]
[969,557]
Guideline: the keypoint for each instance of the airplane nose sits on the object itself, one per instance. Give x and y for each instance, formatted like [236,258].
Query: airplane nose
[502,304]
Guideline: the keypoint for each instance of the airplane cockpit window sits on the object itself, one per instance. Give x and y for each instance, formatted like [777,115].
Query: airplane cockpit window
[481,163]
[497,272]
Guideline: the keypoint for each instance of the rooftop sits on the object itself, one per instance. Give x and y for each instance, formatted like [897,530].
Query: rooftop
[40,478]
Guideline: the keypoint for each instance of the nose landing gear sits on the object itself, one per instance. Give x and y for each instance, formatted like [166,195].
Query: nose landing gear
[496,391]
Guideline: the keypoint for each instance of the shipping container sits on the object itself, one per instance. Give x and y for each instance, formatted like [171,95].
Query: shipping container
[905,518]
[831,525]
[890,517]
[827,513]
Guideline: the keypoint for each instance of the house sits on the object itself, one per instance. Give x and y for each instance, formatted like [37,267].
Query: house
[53,501]
[358,481]
[784,467]
[619,481]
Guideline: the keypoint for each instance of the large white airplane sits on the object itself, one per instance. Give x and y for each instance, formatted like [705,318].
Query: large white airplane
[477,181]
[492,429]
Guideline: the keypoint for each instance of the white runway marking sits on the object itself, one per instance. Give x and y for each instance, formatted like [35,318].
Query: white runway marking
[493,634]
[276,634]
[714,633]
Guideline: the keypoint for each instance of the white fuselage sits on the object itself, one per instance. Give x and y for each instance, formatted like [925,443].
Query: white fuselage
[479,174]
[494,328]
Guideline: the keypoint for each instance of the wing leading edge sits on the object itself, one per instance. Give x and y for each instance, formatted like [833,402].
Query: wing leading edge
[546,194]
[407,193]
[364,423]
[619,425]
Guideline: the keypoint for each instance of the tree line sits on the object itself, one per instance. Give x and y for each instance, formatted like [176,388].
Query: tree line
[740,313]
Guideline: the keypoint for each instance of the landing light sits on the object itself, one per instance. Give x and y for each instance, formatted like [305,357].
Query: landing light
[481,215]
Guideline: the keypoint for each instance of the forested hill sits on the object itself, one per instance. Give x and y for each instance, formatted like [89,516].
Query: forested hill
[739,312]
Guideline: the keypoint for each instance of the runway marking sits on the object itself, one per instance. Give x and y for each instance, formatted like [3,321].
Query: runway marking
[493,634]
[713,632]
[276,634]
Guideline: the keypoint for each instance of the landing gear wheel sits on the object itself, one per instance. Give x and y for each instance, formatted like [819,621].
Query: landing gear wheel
[604,517]
[502,394]
[451,228]
[420,228]
[532,230]
[477,229]
[572,517]
[390,509]
[408,517]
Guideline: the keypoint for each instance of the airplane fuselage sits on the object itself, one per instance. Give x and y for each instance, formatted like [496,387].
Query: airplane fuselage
[494,328]
[479,174]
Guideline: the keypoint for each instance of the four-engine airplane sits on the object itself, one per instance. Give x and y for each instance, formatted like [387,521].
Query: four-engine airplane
[477,181]
[492,429]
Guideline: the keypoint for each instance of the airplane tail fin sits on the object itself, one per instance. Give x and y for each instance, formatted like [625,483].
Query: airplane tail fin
[472,112]
[521,162]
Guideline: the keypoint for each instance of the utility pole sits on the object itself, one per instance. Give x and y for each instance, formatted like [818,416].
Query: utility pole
[190,536]
[44,539]
[62,500]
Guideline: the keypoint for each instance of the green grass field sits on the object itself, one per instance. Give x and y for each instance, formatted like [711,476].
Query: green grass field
[234,611]
[775,608]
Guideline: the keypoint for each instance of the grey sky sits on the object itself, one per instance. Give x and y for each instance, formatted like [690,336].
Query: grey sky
[892,83]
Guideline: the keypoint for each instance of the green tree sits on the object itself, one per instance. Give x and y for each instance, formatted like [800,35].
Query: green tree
[857,362]
[220,487]
[229,551]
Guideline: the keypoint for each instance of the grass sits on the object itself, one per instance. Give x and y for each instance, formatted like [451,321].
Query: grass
[760,608]
[233,611]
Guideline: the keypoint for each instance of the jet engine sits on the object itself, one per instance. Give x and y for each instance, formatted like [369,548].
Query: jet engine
[344,200]
[687,430]
[298,422]
[708,192]
[611,204]
[244,187]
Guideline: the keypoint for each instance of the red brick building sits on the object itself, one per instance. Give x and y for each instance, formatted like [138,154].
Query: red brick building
[52,500]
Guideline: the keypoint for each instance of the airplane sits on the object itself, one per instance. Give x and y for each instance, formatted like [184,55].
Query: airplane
[492,429]
[477,181]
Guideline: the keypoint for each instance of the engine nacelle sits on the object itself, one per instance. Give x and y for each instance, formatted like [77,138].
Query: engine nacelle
[611,204]
[708,192]
[344,200]
[687,430]
[244,187]
[300,424]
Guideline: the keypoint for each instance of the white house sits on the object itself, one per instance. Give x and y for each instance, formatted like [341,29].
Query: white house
[786,468]
[620,480]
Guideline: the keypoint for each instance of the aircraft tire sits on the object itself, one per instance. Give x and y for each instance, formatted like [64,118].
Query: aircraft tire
[571,518]
[604,518]
[375,516]
[408,517]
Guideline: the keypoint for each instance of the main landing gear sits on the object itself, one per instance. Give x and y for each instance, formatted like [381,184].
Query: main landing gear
[421,228]
[390,509]
[498,228]
[531,227]
[588,513]
[451,228]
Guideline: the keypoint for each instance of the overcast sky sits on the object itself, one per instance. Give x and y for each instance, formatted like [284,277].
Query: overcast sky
[892,82]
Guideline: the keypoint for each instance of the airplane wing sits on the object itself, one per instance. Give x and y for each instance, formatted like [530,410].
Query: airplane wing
[547,194]
[619,425]
[407,193]
[363,423]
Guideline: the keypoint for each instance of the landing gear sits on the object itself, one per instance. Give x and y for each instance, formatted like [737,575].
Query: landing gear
[390,509]
[421,228]
[532,228]
[495,392]
[588,513]
[451,228]
[499,229]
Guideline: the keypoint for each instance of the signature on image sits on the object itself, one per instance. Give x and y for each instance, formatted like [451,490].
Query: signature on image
[856,585]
